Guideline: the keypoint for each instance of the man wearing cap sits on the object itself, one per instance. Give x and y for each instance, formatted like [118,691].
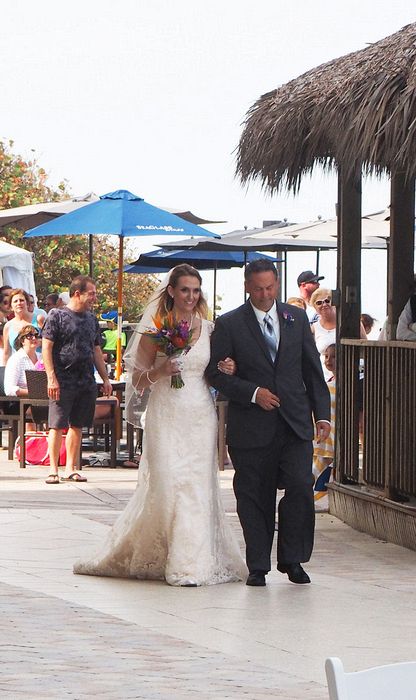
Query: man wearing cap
[308,281]
[110,334]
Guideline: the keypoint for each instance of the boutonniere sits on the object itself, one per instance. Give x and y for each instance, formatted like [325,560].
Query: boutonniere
[287,319]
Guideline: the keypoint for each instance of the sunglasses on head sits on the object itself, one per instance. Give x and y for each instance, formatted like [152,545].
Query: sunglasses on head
[319,302]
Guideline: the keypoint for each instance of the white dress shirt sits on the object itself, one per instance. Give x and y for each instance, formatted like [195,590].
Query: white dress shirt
[275,320]
[276,327]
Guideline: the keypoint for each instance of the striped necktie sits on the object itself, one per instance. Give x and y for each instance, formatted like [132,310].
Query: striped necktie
[270,336]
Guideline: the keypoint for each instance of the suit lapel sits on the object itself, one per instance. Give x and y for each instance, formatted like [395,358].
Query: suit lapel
[282,329]
[254,327]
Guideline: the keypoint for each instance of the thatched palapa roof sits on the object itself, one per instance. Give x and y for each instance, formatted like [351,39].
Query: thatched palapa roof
[359,109]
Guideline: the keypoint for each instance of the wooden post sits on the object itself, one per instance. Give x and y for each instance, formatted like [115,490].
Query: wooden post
[400,285]
[349,255]
[348,314]
[401,249]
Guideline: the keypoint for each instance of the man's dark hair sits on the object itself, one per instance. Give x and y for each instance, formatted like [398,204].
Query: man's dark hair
[260,265]
[79,284]
[4,287]
[53,298]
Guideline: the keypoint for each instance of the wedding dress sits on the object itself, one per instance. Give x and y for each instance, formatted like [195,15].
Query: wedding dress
[174,528]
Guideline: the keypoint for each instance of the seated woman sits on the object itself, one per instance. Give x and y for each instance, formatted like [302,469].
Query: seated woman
[24,358]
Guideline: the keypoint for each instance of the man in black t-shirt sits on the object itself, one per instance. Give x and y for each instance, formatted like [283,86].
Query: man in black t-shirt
[71,347]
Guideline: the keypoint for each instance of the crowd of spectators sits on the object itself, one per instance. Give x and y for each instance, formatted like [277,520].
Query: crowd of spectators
[318,304]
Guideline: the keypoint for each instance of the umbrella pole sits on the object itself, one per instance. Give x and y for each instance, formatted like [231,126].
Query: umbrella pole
[119,308]
[214,315]
[317,261]
[285,271]
[90,255]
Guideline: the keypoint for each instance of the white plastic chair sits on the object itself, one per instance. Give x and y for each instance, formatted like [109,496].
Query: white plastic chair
[391,682]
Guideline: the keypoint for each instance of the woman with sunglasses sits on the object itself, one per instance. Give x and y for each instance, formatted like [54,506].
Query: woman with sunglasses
[24,358]
[324,328]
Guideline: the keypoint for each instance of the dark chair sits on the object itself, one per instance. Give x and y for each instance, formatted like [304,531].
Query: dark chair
[37,399]
[9,416]
[105,425]
[37,388]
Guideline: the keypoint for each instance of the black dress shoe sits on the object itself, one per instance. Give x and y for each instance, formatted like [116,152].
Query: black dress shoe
[256,578]
[294,572]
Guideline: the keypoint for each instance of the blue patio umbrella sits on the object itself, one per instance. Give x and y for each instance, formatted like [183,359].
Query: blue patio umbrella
[121,214]
[201,259]
[164,259]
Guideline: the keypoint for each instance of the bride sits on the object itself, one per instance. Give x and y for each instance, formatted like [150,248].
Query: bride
[174,527]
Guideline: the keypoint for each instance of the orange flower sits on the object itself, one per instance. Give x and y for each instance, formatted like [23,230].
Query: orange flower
[158,321]
[179,342]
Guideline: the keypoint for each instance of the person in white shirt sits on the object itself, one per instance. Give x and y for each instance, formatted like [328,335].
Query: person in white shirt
[24,358]
[406,325]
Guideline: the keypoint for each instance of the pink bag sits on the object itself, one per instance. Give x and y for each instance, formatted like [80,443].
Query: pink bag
[37,451]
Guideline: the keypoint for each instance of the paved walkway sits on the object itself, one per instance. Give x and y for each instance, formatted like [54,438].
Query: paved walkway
[66,636]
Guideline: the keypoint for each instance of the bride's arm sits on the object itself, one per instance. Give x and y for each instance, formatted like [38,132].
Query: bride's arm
[227,365]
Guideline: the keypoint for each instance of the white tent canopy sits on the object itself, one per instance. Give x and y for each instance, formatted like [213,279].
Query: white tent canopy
[375,231]
[16,267]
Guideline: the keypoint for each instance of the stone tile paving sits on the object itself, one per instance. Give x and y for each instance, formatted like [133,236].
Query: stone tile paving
[50,648]
[361,607]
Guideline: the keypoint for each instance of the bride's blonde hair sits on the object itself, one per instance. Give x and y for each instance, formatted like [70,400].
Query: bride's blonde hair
[166,302]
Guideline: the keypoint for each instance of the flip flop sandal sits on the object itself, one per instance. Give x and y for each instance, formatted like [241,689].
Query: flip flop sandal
[52,479]
[132,463]
[75,476]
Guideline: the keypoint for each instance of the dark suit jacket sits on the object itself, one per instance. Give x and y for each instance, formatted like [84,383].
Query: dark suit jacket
[296,376]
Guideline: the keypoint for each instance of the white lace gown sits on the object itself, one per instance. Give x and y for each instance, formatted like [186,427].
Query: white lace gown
[174,528]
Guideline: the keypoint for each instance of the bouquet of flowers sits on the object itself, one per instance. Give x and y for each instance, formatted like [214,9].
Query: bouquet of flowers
[172,338]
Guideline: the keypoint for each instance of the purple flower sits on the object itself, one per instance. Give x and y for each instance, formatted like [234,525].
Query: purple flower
[287,319]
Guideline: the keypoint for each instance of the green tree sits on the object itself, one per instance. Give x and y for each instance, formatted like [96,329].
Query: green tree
[24,181]
[58,260]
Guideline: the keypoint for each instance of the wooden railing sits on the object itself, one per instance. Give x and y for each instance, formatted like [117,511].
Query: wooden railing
[389,411]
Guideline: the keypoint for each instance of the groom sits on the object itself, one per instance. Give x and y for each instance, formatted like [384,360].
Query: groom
[276,393]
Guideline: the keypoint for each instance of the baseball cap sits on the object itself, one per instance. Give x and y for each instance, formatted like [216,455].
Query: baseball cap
[109,316]
[308,276]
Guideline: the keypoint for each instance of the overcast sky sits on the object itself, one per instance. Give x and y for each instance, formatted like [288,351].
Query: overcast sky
[150,96]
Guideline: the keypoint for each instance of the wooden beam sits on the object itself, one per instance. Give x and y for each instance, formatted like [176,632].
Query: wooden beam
[349,255]
[348,321]
[401,249]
